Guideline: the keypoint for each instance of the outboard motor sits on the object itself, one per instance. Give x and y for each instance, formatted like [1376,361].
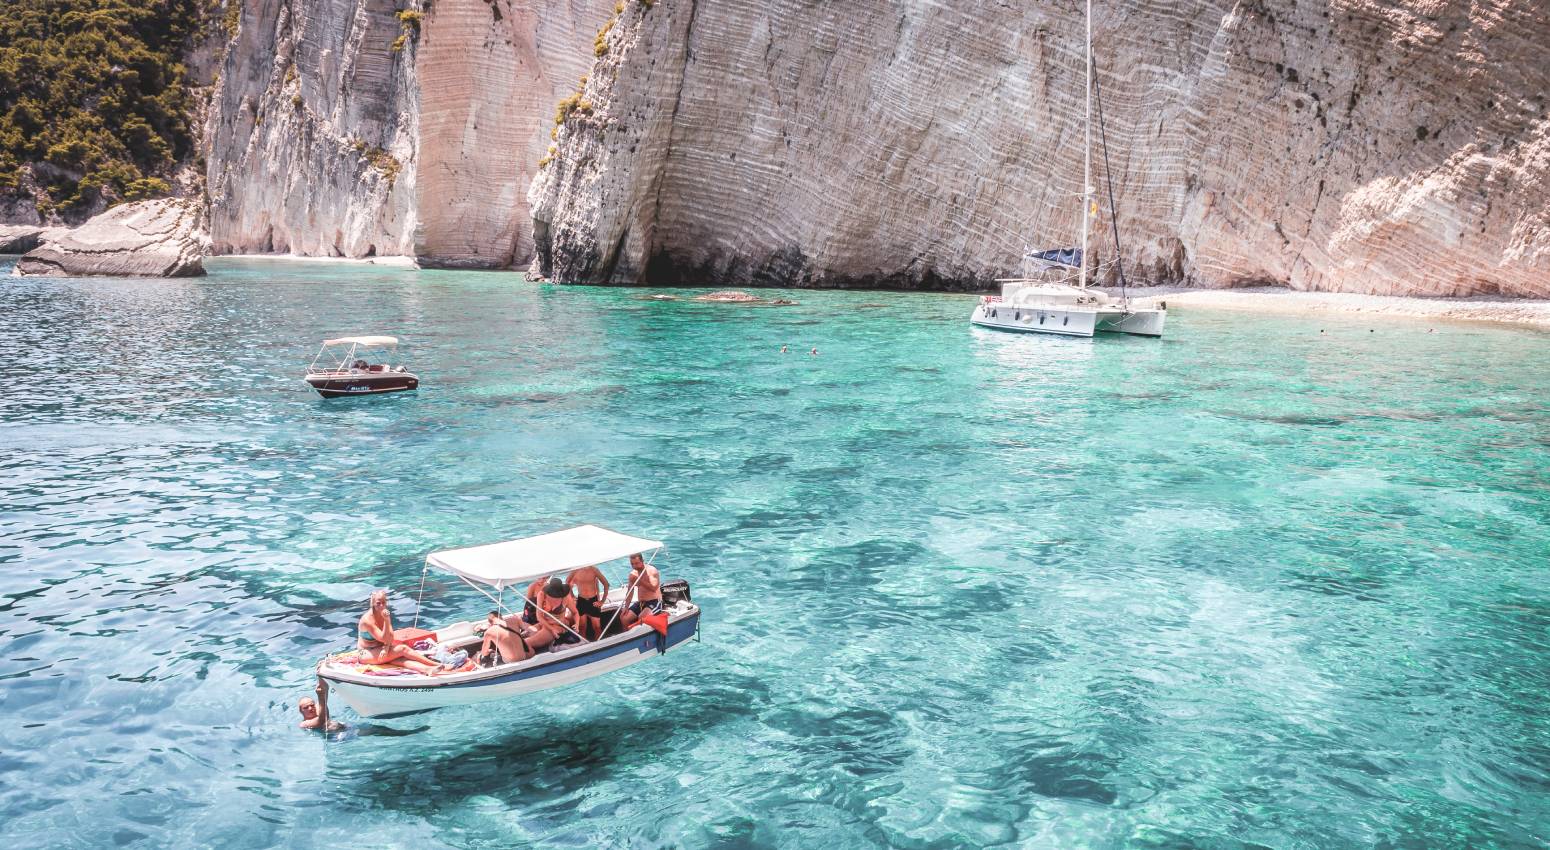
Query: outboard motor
[673,591]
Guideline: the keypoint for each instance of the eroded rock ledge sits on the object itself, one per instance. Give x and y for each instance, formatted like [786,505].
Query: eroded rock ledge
[145,239]
[1373,146]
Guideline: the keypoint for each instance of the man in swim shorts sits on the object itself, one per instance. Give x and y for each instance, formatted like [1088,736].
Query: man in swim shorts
[591,589]
[646,589]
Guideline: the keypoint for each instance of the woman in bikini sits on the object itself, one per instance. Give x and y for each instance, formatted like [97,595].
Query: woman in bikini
[505,640]
[377,645]
[556,618]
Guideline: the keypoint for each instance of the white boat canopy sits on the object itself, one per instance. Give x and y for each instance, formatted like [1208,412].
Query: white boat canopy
[501,565]
[362,340]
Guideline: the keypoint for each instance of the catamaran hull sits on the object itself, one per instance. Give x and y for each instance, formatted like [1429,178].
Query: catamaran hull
[387,698]
[1063,321]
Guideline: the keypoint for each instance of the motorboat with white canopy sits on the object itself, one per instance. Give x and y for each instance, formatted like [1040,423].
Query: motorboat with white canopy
[381,691]
[353,374]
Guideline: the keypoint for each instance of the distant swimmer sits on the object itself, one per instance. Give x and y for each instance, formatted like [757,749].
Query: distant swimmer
[782,349]
[814,352]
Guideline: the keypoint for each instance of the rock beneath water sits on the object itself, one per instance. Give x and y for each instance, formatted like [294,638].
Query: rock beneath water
[145,239]
[21,238]
[735,296]
[730,296]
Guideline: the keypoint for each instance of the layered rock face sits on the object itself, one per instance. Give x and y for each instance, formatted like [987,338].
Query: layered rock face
[21,238]
[1376,146]
[162,238]
[312,132]
[342,128]
[489,75]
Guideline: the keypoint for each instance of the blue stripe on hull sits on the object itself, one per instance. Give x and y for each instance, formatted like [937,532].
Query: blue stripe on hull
[677,633]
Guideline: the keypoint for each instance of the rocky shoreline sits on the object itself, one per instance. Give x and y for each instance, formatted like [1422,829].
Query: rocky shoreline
[1280,300]
[161,238]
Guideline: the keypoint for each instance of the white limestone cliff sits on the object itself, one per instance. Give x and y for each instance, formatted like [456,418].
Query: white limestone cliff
[311,132]
[345,128]
[1374,146]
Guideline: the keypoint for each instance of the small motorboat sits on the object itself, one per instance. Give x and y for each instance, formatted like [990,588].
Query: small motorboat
[353,374]
[375,691]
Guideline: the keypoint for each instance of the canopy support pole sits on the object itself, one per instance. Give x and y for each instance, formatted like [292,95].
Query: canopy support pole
[421,598]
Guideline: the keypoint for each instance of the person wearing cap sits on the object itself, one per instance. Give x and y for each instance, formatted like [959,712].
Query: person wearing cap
[555,613]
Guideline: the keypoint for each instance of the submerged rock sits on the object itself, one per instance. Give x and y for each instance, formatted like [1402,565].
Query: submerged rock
[146,239]
[730,296]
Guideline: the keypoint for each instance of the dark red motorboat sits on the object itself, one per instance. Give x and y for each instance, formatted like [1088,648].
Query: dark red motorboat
[354,374]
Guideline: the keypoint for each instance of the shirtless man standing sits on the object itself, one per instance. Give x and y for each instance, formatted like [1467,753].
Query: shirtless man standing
[645,587]
[589,599]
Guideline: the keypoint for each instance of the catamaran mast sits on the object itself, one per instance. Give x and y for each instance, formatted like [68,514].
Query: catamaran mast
[1087,145]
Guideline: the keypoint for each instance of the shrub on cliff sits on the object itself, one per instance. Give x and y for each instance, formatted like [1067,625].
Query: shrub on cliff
[93,97]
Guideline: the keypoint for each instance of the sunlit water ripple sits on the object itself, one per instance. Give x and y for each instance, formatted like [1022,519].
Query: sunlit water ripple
[1250,585]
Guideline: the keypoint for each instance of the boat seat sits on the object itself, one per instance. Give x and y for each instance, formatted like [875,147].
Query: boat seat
[409,636]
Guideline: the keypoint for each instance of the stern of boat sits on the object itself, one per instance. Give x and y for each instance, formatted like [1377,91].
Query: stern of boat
[1139,321]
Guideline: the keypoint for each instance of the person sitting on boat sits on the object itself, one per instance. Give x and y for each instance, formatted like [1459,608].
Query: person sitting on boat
[646,589]
[359,365]
[505,640]
[591,589]
[376,640]
[530,607]
[555,614]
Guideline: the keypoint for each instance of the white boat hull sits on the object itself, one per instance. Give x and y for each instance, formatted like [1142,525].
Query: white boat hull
[1070,320]
[388,696]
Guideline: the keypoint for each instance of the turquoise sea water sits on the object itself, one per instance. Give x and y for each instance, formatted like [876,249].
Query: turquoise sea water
[1247,586]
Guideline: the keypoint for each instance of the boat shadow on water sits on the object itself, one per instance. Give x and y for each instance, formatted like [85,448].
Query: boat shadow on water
[534,759]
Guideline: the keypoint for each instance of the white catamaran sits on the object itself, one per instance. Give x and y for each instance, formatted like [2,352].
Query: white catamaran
[1047,301]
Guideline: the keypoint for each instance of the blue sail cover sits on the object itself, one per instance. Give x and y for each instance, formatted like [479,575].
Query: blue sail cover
[1058,256]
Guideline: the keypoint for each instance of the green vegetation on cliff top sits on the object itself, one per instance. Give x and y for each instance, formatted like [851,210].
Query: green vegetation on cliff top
[93,97]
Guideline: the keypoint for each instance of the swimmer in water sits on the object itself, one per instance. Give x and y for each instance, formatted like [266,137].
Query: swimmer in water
[314,712]
[815,351]
[782,349]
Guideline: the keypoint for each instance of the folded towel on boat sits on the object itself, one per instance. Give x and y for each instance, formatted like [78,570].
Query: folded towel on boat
[352,660]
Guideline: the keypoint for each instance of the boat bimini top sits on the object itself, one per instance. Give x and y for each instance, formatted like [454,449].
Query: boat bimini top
[512,562]
[365,341]
[501,565]
[355,343]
